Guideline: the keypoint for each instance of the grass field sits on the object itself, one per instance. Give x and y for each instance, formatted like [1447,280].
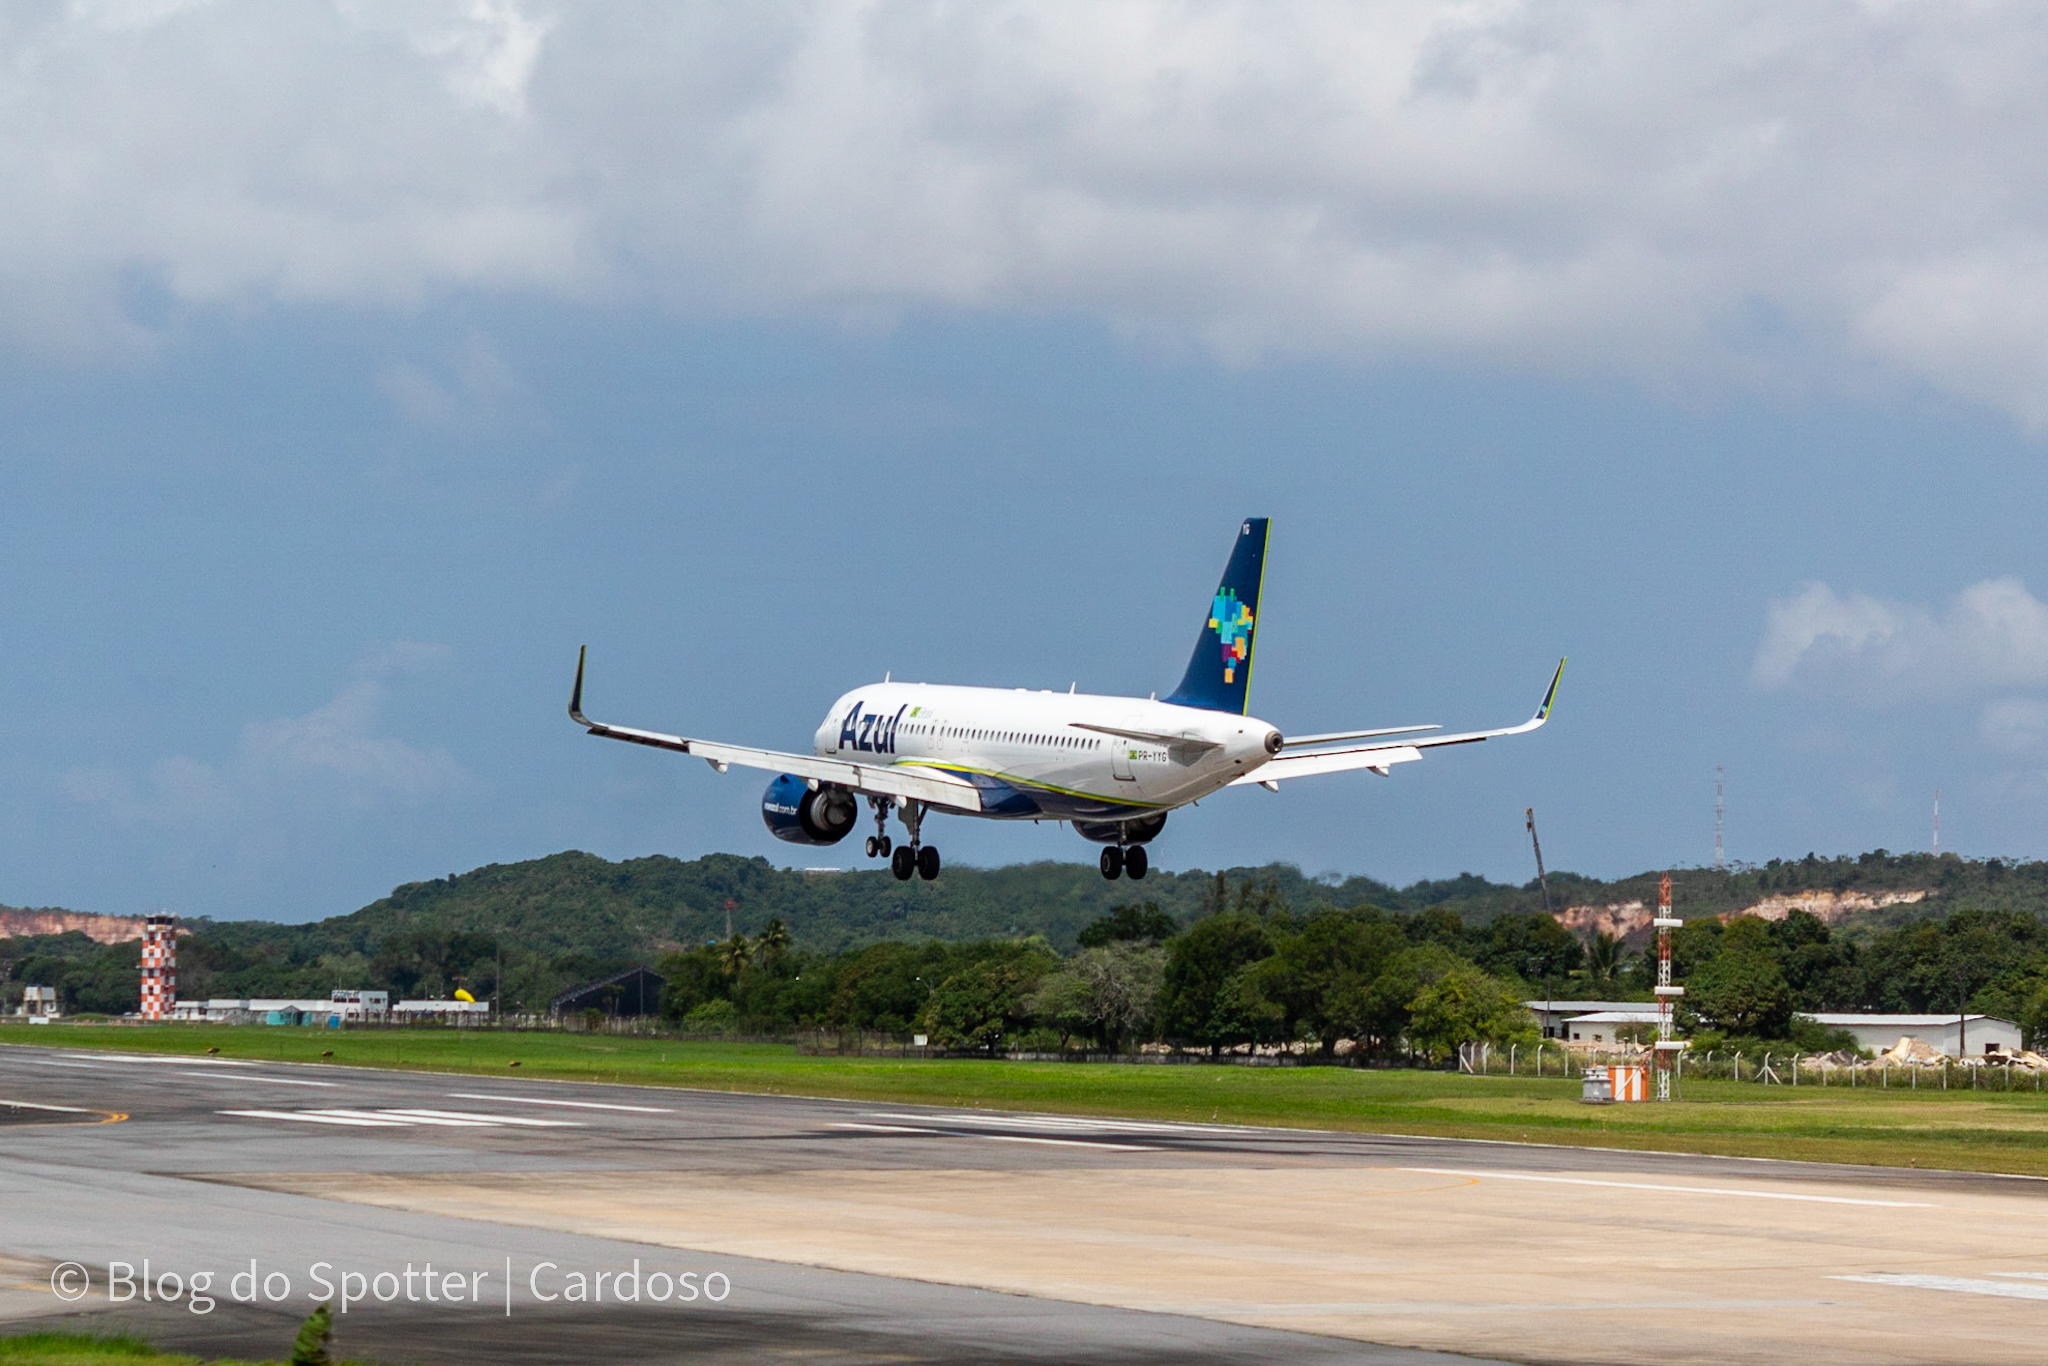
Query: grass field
[72,1349]
[1958,1129]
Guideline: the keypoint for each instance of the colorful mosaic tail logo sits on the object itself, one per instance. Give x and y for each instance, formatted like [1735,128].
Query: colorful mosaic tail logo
[1232,621]
[1229,633]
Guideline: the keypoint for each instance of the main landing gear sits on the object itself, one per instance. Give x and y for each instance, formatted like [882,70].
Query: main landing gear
[1119,860]
[915,859]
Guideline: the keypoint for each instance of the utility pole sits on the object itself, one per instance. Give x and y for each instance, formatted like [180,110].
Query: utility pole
[1720,855]
[1667,994]
[1541,880]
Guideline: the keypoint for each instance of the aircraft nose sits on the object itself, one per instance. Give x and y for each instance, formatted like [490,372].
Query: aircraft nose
[1273,742]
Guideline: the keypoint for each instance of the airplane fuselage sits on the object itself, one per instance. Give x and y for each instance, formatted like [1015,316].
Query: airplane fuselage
[1049,755]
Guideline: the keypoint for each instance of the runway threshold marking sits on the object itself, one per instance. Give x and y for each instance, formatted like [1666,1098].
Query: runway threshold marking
[566,1104]
[997,1138]
[1685,1190]
[1961,1285]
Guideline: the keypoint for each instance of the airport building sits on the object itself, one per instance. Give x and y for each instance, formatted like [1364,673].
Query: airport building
[1598,1024]
[39,1003]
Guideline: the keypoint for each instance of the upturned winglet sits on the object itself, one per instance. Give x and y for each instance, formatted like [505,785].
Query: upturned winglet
[576,693]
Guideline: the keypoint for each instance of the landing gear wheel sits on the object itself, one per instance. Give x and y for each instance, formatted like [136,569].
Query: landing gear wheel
[1136,862]
[1112,862]
[903,863]
[928,863]
[874,846]
[882,845]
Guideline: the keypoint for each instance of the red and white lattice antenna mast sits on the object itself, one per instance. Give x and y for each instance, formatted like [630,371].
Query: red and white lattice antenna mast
[1667,995]
[159,966]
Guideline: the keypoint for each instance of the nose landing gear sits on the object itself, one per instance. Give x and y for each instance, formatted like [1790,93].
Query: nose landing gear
[878,843]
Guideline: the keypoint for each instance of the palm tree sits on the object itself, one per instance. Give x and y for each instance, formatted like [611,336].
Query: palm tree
[774,940]
[1603,957]
[734,955]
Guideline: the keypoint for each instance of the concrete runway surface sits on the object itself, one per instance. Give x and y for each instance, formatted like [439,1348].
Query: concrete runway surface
[717,1227]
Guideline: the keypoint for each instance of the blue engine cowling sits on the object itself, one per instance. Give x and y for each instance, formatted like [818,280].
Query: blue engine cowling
[793,812]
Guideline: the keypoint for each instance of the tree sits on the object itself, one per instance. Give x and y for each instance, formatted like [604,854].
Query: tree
[1144,923]
[1603,958]
[1198,965]
[774,940]
[1533,947]
[1464,1006]
[1742,992]
[982,1003]
[1321,975]
[1107,993]
[734,955]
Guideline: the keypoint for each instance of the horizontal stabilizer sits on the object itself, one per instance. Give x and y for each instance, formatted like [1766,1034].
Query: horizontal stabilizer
[1382,758]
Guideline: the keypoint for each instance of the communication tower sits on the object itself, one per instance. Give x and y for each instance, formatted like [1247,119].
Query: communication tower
[159,966]
[1720,856]
[1667,995]
[1937,822]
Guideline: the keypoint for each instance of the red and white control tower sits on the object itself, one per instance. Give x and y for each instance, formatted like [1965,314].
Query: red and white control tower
[159,966]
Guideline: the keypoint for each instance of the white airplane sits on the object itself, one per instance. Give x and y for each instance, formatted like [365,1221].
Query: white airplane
[1113,766]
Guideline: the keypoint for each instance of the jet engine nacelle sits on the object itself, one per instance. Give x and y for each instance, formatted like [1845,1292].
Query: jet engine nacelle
[1143,830]
[793,812]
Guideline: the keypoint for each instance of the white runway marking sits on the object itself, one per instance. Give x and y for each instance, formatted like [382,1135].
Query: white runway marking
[998,1138]
[188,1060]
[1684,1190]
[1961,1285]
[487,1119]
[567,1104]
[275,1081]
[48,1062]
[1066,1123]
[61,1109]
[313,1117]
[400,1119]
[1068,1143]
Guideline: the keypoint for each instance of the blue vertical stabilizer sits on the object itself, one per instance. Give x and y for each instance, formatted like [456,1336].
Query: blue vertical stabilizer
[1219,676]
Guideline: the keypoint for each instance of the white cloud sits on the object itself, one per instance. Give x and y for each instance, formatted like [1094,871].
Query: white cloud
[1993,635]
[331,759]
[2015,724]
[1750,189]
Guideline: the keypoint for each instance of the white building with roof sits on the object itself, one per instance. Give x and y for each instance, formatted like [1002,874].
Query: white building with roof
[1599,1024]
[1552,1015]
[1959,1036]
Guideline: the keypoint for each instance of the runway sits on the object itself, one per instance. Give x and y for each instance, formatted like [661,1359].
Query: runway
[847,1231]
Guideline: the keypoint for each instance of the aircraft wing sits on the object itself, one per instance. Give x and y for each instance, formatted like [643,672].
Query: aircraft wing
[1382,758]
[911,782]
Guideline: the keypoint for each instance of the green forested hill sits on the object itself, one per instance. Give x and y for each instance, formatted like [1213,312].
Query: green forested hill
[572,917]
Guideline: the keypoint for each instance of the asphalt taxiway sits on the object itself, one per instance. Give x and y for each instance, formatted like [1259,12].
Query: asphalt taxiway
[851,1231]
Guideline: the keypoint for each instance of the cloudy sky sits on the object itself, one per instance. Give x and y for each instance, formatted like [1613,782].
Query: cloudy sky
[363,358]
